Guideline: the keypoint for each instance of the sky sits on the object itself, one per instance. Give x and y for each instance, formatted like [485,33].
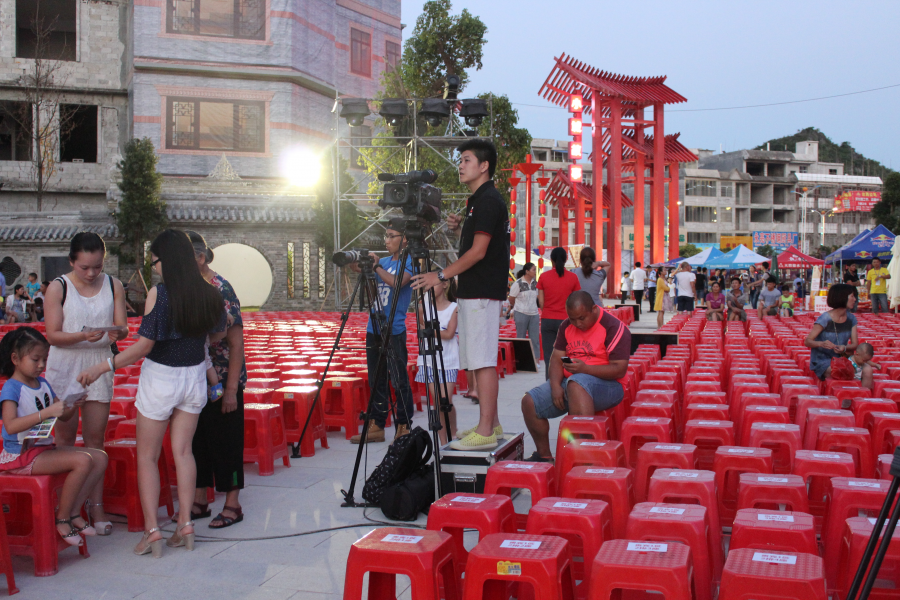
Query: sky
[721,53]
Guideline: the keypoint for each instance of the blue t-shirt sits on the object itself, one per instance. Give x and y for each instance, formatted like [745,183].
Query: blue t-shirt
[28,400]
[385,292]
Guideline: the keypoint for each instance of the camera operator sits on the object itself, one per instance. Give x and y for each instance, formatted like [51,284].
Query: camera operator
[386,269]
[482,271]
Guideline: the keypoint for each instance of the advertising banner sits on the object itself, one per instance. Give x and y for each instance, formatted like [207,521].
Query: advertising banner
[779,240]
[856,201]
[730,242]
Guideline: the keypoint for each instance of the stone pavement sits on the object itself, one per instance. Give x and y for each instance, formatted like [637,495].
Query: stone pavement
[286,547]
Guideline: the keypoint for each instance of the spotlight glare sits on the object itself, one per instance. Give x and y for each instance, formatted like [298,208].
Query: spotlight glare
[300,166]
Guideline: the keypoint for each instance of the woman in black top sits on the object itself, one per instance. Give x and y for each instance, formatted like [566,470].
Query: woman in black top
[180,315]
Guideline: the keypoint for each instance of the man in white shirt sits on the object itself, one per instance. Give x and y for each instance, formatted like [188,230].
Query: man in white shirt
[651,289]
[639,277]
[685,289]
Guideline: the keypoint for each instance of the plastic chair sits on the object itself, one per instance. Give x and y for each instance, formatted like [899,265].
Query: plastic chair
[653,456]
[770,491]
[751,573]
[663,568]
[505,476]
[613,486]
[774,531]
[264,439]
[729,463]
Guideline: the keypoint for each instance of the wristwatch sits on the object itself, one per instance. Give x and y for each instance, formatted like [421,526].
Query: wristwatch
[441,275]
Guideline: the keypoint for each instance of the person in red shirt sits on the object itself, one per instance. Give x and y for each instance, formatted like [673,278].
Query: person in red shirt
[554,286]
[599,346]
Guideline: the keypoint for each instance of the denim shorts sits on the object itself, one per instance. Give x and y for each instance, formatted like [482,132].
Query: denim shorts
[606,394]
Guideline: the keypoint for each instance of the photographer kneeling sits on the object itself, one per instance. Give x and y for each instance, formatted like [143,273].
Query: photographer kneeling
[598,346]
[386,269]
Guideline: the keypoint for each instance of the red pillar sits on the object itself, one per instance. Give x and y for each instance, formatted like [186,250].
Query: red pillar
[528,214]
[658,202]
[639,189]
[673,210]
[614,180]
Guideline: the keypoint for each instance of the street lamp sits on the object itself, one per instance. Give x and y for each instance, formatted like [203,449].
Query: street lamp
[825,212]
[804,247]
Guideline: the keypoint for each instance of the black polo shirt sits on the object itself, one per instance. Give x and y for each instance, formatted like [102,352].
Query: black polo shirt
[486,213]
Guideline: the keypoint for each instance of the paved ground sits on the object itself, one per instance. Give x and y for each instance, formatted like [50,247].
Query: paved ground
[286,546]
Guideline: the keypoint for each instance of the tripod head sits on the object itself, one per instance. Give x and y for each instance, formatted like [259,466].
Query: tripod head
[416,230]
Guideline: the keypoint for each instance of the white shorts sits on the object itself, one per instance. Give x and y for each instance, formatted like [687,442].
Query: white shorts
[162,389]
[479,333]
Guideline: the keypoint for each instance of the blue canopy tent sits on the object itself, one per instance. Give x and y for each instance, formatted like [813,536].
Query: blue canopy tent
[697,260]
[740,257]
[876,243]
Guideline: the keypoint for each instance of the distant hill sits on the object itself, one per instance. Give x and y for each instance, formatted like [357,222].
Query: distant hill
[854,162]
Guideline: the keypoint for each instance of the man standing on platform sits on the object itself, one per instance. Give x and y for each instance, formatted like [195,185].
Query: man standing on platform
[483,272]
[639,277]
[595,346]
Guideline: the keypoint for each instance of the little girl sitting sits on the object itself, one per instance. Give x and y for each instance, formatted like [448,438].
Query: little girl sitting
[786,301]
[26,401]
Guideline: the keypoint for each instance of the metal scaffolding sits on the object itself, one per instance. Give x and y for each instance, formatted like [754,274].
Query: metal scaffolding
[410,147]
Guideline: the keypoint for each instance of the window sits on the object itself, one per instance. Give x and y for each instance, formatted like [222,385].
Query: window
[804,168]
[540,155]
[78,135]
[559,156]
[726,189]
[360,52]
[215,125]
[700,187]
[241,19]
[725,215]
[359,136]
[391,54]
[55,19]
[697,237]
[15,131]
[832,171]
[700,214]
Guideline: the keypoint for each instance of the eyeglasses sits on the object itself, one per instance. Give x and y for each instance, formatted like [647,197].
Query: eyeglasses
[388,236]
[153,264]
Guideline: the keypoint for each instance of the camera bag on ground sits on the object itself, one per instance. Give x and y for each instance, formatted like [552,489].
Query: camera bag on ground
[405,500]
[405,456]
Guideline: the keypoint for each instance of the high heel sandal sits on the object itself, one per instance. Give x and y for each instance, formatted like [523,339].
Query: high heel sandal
[86,530]
[72,538]
[186,540]
[156,546]
[103,528]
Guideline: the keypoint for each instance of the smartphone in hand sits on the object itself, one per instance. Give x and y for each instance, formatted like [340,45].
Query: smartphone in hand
[567,360]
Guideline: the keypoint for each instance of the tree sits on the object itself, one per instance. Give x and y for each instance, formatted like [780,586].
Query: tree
[887,211]
[688,250]
[141,213]
[767,251]
[40,122]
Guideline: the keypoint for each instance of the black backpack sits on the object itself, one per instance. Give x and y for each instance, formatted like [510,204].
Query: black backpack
[405,500]
[404,457]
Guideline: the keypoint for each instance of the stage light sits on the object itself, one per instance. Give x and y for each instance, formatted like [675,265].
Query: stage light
[575,150]
[575,126]
[576,103]
[575,173]
[434,111]
[355,110]
[300,166]
[451,87]
[474,110]
[393,110]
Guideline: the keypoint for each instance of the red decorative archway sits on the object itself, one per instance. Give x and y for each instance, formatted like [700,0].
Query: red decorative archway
[622,146]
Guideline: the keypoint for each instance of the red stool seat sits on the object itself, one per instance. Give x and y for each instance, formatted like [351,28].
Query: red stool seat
[258,395]
[636,431]
[614,486]
[588,452]
[426,557]
[505,476]
[783,439]
[343,400]
[729,463]
[264,439]
[806,402]
[120,485]
[861,407]
[857,531]
[756,490]
[751,399]
[854,441]
[708,436]
[708,412]
[880,424]
[123,406]
[774,531]
[653,456]
[816,468]
[664,568]
[751,573]
[755,413]
[577,427]
[296,402]
[818,417]
[544,562]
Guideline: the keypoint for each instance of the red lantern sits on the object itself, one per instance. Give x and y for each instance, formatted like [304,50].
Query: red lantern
[542,249]
[512,264]
[512,222]
[575,150]
[512,207]
[575,173]
[540,263]
[512,236]
[576,103]
[542,235]
[575,126]
[543,209]
[512,250]
[512,196]
[541,221]
[542,195]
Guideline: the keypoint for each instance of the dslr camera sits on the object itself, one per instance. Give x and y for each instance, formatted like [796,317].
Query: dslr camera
[362,256]
[412,194]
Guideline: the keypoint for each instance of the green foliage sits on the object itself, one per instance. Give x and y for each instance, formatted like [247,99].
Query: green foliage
[441,44]
[352,221]
[767,251]
[854,162]
[141,213]
[887,212]
[688,250]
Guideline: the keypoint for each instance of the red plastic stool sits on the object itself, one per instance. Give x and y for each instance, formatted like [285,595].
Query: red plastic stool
[770,491]
[883,470]
[705,398]
[258,395]
[684,523]
[755,413]
[708,412]
[124,407]
[806,402]
[342,398]
[616,416]
[861,407]
[296,402]
[120,487]
[846,393]
[708,436]
[783,439]
[613,486]
[790,395]
[818,417]
[426,557]
[544,562]
[579,427]
[654,409]
[664,568]
[816,468]
[855,441]
[751,573]
[653,456]
[507,475]
[30,523]
[856,534]
[264,440]
[774,531]
[636,431]
[585,524]
[6,558]
[487,513]
[589,453]
[729,463]
[880,425]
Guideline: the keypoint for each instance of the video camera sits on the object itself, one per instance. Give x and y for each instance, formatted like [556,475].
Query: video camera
[357,255]
[412,194]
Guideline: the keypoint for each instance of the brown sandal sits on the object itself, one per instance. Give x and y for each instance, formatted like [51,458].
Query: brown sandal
[227,521]
[204,511]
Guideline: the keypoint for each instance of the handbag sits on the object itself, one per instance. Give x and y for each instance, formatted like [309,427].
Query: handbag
[841,369]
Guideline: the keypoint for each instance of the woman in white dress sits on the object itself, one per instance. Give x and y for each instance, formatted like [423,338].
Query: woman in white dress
[85,297]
